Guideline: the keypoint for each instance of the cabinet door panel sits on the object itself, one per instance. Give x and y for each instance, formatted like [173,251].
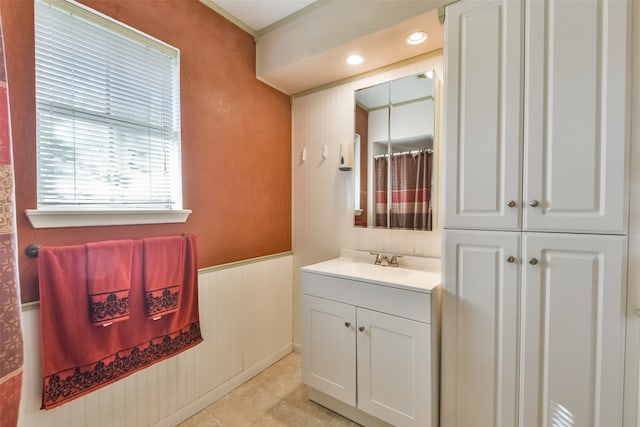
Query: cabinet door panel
[479,329]
[329,347]
[632,358]
[575,126]
[573,330]
[394,378]
[483,114]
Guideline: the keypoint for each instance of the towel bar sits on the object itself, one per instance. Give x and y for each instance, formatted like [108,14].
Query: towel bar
[32,250]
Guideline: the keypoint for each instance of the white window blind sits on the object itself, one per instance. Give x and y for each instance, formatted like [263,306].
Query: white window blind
[108,113]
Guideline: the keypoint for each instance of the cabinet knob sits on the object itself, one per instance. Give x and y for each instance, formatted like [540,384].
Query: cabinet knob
[511,203]
[533,260]
[347,324]
[511,259]
[534,203]
[361,328]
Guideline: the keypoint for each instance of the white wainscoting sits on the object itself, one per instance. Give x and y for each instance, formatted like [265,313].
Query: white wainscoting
[246,321]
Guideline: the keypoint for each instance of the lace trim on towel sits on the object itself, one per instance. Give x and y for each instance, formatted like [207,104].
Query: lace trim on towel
[69,384]
[109,306]
[162,301]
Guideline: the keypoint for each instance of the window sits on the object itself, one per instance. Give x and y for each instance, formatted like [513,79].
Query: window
[108,115]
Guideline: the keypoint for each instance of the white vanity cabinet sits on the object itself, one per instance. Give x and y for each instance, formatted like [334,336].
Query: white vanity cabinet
[370,350]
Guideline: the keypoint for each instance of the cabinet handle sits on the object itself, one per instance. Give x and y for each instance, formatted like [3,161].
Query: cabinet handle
[361,328]
[511,203]
[347,324]
[637,310]
[534,203]
[511,259]
[533,261]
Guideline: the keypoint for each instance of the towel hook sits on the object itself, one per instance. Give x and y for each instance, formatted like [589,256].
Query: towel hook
[32,250]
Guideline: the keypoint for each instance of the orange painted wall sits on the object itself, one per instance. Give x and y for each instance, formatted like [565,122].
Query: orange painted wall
[362,129]
[236,136]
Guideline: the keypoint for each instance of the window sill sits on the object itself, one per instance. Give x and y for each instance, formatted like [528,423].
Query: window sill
[62,218]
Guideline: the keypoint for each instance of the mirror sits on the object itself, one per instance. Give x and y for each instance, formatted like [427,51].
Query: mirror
[395,126]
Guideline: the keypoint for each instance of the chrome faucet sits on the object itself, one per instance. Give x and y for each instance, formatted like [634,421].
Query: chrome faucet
[394,260]
[384,261]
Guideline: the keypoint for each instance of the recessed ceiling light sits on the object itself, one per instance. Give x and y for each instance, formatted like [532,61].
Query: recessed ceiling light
[417,37]
[355,59]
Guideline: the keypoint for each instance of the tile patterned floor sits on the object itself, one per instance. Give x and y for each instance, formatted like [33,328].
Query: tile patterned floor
[274,398]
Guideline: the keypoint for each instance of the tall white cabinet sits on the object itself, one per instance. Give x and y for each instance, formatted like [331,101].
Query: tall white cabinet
[535,213]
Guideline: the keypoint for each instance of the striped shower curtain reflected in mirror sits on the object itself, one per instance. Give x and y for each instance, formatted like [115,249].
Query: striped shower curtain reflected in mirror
[10,325]
[410,190]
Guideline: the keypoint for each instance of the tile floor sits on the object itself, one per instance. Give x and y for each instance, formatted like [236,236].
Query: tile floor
[274,398]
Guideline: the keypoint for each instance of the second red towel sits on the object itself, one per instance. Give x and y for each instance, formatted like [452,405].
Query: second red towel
[163,274]
[109,280]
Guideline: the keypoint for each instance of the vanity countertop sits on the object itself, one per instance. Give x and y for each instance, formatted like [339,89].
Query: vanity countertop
[418,274]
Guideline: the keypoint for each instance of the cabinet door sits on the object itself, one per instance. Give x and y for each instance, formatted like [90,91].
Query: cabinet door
[479,329]
[394,369]
[632,358]
[576,121]
[573,312]
[483,115]
[329,347]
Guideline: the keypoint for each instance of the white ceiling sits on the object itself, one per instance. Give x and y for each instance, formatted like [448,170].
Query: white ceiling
[307,50]
[258,14]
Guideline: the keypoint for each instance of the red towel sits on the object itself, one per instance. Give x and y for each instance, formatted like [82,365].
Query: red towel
[163,274]
[109,280]
[77,357]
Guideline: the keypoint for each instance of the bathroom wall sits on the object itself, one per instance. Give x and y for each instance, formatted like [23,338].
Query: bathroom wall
[245,317]
[323,195]
[236,136]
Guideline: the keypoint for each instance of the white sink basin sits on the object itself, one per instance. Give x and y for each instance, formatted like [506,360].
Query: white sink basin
[372,270]
[423,274]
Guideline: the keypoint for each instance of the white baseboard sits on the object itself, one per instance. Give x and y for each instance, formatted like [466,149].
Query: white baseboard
[207,399]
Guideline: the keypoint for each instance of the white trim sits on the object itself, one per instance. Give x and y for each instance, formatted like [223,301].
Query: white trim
[105,21]
[70,218]
[242,262]
[212,396]
[229,17]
